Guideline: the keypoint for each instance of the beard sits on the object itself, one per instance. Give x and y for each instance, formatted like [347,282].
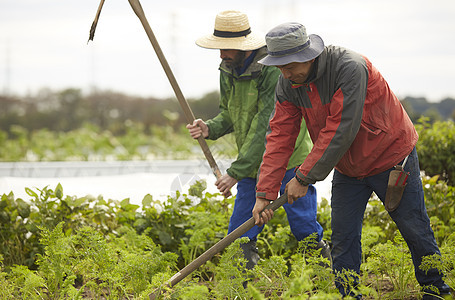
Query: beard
[237,61]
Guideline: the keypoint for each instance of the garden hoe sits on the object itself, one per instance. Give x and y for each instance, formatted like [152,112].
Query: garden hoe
[135,4]
[218,247]
[395,187]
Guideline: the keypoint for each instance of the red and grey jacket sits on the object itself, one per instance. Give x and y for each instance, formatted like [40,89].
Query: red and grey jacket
[357,124]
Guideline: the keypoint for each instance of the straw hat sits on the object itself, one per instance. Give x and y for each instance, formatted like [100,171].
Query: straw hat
[232,31]
[289,42]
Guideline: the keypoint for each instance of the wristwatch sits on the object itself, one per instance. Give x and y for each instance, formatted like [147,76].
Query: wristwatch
[301,181]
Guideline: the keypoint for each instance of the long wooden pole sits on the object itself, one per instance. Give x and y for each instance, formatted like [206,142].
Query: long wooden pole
[218,247]
[135,4]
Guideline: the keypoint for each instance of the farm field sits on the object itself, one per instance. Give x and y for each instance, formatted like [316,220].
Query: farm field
[61,246]
[59,243]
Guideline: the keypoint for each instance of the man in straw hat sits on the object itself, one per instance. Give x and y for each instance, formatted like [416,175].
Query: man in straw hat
[247,101]
[358,127]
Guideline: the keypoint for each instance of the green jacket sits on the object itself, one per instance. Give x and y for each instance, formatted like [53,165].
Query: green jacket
[246,104]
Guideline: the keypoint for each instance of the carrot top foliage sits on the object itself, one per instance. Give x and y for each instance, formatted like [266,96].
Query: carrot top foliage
[56,246]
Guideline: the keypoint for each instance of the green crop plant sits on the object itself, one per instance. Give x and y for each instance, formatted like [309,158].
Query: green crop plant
[56,246]
[436,148]
[230,273]
[308,257]
[440,204]
[271,276]
[55,265]
[444,263]
[392,262]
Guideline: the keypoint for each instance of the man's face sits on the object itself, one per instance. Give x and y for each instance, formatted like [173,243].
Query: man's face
[232,58]
[297,72]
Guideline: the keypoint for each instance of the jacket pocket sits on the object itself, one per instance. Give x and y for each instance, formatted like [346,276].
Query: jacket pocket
[373,127]
[370,128]
[366,147]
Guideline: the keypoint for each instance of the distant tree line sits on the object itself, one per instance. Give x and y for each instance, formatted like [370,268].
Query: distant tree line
[69,109]
[435,111]
[70,125]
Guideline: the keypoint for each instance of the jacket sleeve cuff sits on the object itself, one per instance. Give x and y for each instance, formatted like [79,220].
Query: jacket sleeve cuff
[269,196]
[302,179]
[210,136]
[230,173]
[302,183]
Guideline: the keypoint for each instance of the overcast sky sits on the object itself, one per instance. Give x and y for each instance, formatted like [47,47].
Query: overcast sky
[43,44]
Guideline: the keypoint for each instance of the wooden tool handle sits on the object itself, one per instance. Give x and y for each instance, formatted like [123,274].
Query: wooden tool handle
[218,247]
[137,8]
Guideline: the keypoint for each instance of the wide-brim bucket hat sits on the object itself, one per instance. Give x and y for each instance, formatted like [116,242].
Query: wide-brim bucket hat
[232,31]
[289,42]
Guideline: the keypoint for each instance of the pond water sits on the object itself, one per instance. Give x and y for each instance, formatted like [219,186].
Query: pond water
[117,179]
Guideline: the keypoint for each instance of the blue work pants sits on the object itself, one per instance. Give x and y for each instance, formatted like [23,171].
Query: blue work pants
[349,200]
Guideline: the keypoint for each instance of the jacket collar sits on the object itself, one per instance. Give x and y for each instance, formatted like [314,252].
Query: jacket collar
[321,65]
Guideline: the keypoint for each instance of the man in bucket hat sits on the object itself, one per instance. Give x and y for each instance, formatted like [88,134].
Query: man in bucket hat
[247,101]
[358,127]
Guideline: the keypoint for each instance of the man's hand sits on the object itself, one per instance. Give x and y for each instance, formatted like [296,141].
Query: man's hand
[198,128]
[261,218]
[295,190]
[225,183]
